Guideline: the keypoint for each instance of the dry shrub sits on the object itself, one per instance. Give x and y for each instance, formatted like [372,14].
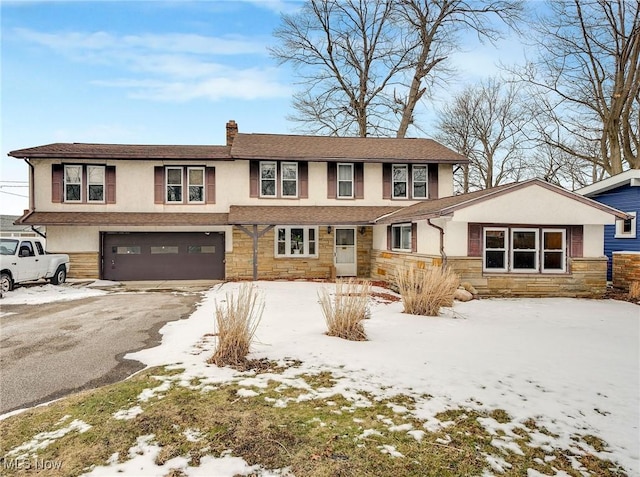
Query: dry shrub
[346,310]
[424,292]
[634,291]
[236,323]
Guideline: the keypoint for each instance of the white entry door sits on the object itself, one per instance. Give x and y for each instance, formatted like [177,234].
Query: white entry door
[345,252]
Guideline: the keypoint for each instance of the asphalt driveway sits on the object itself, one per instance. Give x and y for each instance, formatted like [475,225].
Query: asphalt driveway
[50,350]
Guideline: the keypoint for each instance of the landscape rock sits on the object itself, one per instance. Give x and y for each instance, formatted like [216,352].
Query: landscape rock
[462,295]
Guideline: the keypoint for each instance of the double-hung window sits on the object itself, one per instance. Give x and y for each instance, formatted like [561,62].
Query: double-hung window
[289,179]
[345,181]
[400,178]
[73,183]
[195,182]
[401,237]
[296,241]
[95,183]
[419,182]
[553,250]
[495,249]
[268,174]
[174,184]
[524,250]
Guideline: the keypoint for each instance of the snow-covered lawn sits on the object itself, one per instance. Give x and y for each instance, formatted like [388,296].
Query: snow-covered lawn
[34,294]
[570,364]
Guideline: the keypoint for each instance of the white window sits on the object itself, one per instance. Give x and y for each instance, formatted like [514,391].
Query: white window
[345,181]
[419,182]
[401,237]
[174,184]
[296,241]
[289,179]
[626,228]
[400,178]
[268,175]
[95,183]
[495,249]
[524,250]
[73,183]
[553,250]
[195,183]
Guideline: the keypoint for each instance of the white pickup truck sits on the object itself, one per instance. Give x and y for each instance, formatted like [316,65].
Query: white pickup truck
[24,260]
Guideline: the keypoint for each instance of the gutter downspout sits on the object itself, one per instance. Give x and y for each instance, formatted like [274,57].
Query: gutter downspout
[32,197]
[442,253]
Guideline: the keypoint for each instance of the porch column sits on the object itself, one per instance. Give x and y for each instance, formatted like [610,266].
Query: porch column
[255,234]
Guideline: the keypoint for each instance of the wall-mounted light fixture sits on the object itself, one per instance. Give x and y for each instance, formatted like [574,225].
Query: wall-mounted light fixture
[362,230]
[329,229]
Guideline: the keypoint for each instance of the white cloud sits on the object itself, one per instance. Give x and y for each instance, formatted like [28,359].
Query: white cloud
[170,67]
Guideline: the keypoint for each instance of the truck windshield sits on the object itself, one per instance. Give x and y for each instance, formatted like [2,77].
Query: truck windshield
[8,247]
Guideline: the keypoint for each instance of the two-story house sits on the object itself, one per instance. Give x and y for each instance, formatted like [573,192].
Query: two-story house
[287,206]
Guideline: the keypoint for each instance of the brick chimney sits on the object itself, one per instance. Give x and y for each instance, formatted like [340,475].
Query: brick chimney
[232,130]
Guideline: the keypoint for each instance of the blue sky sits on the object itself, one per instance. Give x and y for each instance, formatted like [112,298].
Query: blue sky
[151,72]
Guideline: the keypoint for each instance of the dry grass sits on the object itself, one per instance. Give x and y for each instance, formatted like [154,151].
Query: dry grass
[424,292]
[634,291]
[346,310]
[236,323]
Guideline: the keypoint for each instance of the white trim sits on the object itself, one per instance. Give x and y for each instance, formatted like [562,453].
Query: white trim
[535,250]
[103,183]
[166,184]
[401,227]
[282,179]
[275,178]
[563,250]
[346,269]
[64,182]
[304,253]
[620,234]
[503,249]
[352,180]
[414,167]
[632,176]
[204,178]
[393,189]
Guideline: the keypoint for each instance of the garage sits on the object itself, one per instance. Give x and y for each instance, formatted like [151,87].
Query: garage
[163,256]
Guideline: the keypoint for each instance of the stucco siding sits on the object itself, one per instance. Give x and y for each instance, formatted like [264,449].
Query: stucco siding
[533,205]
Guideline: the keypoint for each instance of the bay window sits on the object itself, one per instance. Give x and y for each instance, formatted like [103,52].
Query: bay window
[292,241]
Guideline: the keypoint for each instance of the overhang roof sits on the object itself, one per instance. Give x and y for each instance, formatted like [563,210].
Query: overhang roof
[124,218]
[630,177]
[261,146]
[331,148]
[306,215]
[447,205]
[122,151]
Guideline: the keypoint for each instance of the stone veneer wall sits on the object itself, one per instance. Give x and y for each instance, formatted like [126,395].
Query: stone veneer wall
[588,277]
[239,262]
[84,265]
[384,263]
[626,269]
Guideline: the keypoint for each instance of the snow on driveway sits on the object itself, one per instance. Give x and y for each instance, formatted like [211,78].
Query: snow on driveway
[571,364]
[41,294]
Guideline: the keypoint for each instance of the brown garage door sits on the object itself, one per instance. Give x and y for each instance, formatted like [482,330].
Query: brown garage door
[163,256]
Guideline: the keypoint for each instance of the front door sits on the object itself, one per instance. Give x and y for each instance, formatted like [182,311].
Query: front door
[345,252]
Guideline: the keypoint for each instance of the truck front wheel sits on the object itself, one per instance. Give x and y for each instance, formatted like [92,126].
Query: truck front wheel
[6,284]
[60,276]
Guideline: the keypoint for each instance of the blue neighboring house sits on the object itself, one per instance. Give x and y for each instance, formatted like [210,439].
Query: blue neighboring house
[622,192]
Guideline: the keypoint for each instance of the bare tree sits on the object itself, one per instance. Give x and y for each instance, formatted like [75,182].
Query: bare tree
[586,80]
[487,124]
[364,65]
